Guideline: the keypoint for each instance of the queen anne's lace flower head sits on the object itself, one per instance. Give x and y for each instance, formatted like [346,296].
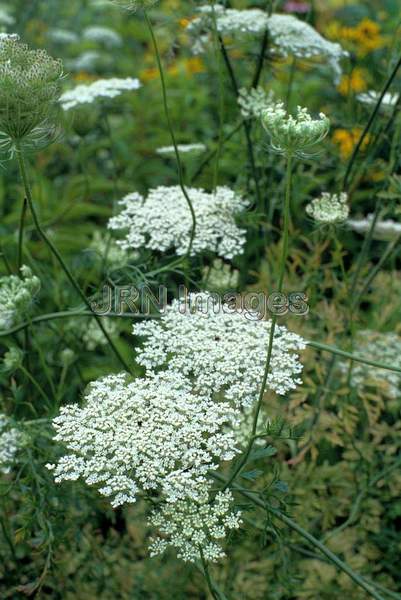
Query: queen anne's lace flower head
[254,101]
[380,347]
[294,135]
[289,35]
[386,230]
[221,349]
[16,295]
[329,209]
[102,35]
[162,221]
[294,37]
[188,525]
[10,441]
[103,88]
[30,85]
[152,434]
[86,61]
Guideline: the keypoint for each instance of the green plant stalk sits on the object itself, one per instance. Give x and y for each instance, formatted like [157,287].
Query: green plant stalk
[246,125]
[213,152]
[67,314]
[21,235]
[172,135]
[283,261]
[59,258]
[370,123]
[221,101]
[206,573]
[306,535]
[35,384]
[353,357]
[388,251]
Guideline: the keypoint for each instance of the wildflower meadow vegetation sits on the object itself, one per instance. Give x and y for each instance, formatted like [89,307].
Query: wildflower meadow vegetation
[200,284]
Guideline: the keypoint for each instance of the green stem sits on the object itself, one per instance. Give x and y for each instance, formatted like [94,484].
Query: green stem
[21,234]
[67,314]
[206,573]
[35,384]
[370,123]
[246,125]
[306,535]
[283,261]
[172,135]
[59,258]
[351,356]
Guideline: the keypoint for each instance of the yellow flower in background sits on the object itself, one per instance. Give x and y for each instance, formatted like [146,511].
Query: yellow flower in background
[367,35]
[186,66]
[362,39]
[347,139]
[355,82]
[194,65]
[84,77]
[149,74]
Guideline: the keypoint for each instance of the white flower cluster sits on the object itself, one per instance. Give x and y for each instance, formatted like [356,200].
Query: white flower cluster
[5,16]
[222,349]
[102,88]
[293,37]
[254,101]
[329,209]
[182,148]
[162,221]
[9,36]
[148,435]
[289,35]
[102,35]
[86,61]
[187,525]
[62,36]
[380,347]
[220,277]
[384,230]
[371,97]
[16,295]
[293,135]
[10,441]
[93,337]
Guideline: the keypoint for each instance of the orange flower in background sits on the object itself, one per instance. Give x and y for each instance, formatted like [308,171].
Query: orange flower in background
[355,82]
[347,139]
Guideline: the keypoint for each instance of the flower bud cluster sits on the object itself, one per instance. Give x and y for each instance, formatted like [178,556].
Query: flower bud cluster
[10,442]
[16,295]
[254,101]
[380,347]
[329,209]
[294,135]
